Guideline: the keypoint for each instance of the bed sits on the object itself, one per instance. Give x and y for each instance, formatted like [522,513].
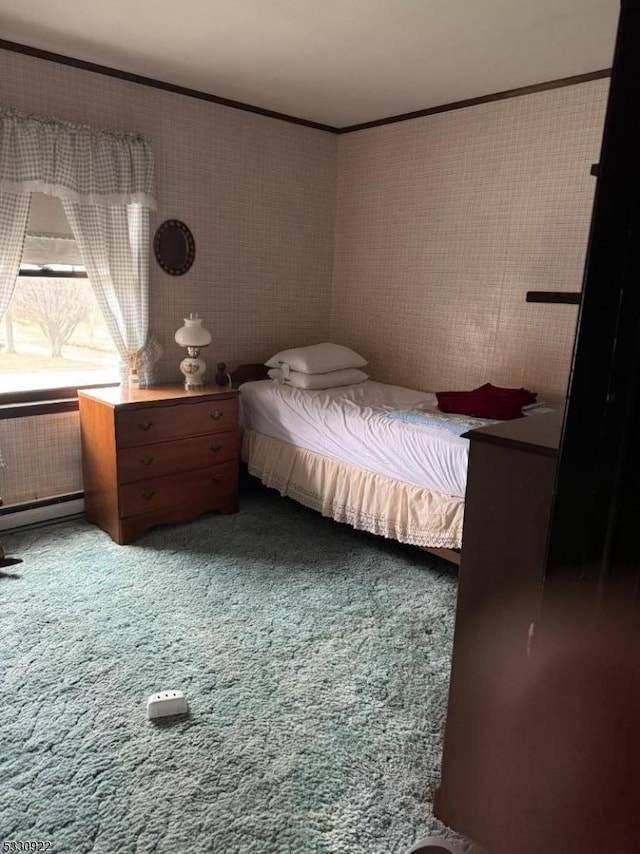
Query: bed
[337,451]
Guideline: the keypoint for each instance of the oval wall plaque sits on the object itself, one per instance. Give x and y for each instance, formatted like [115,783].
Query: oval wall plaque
[174,247]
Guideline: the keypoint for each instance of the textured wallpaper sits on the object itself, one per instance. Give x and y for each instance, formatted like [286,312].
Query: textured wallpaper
[258,195]
[443,224]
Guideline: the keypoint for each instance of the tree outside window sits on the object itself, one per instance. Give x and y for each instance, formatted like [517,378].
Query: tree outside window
[54,334]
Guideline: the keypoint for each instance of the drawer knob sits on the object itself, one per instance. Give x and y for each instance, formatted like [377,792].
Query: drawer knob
[216,415]
[149,494]
[217,478]
[215,448]
[146,461]
[145,425]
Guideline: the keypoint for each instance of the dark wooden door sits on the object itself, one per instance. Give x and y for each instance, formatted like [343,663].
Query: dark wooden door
[593,545]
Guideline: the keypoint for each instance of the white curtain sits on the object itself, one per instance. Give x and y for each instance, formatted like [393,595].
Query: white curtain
[114,245]
[14,216]
[105,181]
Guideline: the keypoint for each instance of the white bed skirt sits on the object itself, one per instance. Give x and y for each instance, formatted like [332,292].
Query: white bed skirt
[366,501]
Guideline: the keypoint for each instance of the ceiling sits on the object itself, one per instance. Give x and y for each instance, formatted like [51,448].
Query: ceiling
[337,62]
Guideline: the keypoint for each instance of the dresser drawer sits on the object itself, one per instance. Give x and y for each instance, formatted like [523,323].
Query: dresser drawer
[160,493]
[178,455]
[162,423]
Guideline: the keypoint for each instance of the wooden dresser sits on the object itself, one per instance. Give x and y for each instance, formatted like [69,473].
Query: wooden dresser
[510,484]
[152,456]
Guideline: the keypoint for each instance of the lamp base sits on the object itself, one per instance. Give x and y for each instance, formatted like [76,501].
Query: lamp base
[193,370]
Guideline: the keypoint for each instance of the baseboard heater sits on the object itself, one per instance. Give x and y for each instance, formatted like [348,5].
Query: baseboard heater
[41,511]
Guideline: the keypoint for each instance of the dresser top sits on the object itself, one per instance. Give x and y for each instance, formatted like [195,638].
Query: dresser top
[539,434]
[117,396]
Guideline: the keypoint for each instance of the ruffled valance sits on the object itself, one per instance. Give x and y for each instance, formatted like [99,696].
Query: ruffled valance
[74,162]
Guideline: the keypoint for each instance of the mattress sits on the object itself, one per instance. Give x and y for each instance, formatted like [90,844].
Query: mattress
[350,424]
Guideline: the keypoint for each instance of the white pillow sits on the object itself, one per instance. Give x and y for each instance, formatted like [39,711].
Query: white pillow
[330,379]
[317,359]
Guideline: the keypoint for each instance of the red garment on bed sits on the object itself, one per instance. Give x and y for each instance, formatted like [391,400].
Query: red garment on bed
[487,401]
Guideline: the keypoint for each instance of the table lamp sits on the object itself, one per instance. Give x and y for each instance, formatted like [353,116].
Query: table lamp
[193,336]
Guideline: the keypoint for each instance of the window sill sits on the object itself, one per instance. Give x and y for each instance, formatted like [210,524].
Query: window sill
[25,404]
[37,407]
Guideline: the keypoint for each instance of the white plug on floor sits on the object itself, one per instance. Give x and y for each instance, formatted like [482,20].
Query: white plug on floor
[167,703]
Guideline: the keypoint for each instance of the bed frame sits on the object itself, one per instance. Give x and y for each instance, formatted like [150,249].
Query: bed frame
[257,371]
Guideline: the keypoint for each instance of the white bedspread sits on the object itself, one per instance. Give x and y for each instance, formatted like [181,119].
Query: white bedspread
[350,424]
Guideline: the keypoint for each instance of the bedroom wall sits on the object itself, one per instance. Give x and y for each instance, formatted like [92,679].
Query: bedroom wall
[258,195]
[442,225]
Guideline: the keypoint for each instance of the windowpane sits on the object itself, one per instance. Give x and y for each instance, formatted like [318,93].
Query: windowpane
[53,335]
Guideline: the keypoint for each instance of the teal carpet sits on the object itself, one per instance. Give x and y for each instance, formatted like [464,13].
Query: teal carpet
[314,658]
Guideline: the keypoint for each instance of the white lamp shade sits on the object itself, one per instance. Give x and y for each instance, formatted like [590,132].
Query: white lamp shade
[193,333]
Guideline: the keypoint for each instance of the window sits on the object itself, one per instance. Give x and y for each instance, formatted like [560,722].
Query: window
[53,335]
[104,181]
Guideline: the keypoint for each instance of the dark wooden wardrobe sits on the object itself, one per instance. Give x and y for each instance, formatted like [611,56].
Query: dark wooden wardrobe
[551,554]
